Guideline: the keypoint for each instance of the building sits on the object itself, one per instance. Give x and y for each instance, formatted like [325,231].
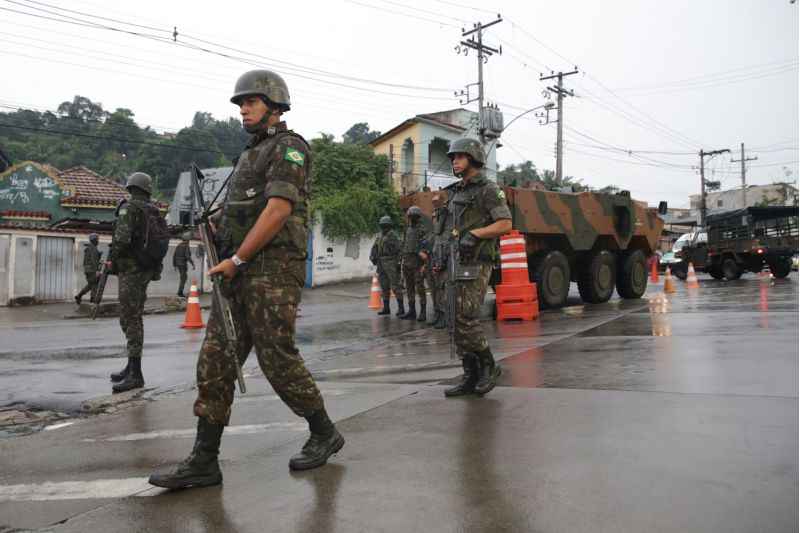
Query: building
[38,195]
[773,194]
[417,148]
[180,209]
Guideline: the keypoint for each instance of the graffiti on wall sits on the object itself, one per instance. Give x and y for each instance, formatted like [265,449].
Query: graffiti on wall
[326,262]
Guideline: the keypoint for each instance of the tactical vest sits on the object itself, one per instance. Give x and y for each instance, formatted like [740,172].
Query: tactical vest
[245,201]
[411,239]
[466,213]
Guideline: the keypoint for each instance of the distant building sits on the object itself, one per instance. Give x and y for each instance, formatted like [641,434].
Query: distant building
[181,206]
[417,149]
[773,194]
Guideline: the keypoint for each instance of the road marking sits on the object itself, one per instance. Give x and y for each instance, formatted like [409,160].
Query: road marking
[75,490]
[190,433]
[58,426]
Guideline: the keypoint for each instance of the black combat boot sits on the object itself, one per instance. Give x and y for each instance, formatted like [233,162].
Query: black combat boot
[78,299]
[122,374]
[401,309]
[411,314]
[201,468]
[423,308]
[325,440]
[134,378]
[385,310]
[441,322]
[180,294]
[488,372]
[468,380]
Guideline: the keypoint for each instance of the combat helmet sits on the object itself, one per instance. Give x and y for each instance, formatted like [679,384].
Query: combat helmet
[140,180]
[471,147]
[385,220]
[414,211]
[264,83]
[93,238]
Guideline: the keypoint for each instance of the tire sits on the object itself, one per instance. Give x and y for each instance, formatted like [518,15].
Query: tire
[781,267]
[632,275]
[715,272]
[596,278]
[680,270]
[551,275]
[730,270]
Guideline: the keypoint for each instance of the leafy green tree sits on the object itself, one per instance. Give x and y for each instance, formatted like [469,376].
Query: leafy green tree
[360,133]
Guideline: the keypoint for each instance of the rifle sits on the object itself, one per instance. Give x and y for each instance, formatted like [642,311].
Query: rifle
[220,301]
[97,295]
[451,295]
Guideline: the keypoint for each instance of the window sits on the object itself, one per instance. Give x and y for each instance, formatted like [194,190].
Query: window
[719,203]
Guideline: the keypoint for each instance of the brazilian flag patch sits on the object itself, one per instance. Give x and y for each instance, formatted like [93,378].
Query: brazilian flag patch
[293,156]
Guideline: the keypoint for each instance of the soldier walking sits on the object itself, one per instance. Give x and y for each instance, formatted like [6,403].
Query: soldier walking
[412,265]
[478,214]
[263,232]
[385,255]
[126,262]
[91,268]
[181,258]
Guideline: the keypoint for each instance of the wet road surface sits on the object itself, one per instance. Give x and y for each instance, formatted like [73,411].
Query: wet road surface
[668,414]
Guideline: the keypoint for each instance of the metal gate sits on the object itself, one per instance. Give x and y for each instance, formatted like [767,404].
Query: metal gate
[5,263]
[54,269]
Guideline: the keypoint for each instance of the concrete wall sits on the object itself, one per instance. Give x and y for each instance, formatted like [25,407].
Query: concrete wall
[336,261]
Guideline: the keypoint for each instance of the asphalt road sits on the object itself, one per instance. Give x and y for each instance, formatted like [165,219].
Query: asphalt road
[676,413]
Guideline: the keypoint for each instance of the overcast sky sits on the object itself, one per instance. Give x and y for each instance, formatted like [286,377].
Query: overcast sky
[655,76]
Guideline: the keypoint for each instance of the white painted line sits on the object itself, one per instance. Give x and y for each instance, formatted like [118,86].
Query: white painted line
[190,433]
[73,490]
[58,426]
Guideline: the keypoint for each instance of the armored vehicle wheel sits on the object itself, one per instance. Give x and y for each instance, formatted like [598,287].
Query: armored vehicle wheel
[781,267]
[680,270]
[596,278]
[551,275]
[715,272]
[632,275]
[730,269]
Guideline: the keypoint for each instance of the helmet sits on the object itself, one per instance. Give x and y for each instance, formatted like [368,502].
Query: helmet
[140,180]
[414,211]
[93,238]
[386,220]
[262,83]
[186,236]
[469,146]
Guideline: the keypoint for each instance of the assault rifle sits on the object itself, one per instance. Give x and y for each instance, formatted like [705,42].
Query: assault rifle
[452,259]
[220,301]
[97,294]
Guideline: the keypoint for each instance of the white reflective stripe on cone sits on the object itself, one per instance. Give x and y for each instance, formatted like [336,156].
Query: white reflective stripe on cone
[516,240]
[513,265]
[515,255]
[193,300]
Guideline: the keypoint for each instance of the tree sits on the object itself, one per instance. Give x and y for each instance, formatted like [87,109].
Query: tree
[360,133]
[83,109]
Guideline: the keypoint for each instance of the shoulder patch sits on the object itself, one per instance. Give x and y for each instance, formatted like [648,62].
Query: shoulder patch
[123,211]
[501,194]
[294,156]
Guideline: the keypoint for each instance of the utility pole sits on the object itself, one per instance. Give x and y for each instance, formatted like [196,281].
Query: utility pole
[703,155]
[560,92]
[475,42]
[743,160]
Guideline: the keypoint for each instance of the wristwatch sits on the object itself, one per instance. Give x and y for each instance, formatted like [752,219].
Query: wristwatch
[238,262]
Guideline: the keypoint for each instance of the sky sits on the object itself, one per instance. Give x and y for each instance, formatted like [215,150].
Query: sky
[658,81]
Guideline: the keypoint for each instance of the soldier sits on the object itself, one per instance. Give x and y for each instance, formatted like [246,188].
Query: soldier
[91,268]
[385,255]
[413,263]
[182,256]
[263,233]
[478,214]
[438,260]
[129,230]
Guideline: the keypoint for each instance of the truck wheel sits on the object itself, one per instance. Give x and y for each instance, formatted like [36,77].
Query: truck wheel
[730,269]
[781,267]
[551,275]
[632,275]
[596,279]
[715,272]
[680,270]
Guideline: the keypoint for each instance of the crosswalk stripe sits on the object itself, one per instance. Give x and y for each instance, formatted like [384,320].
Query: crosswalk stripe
[190,433]
[75,490]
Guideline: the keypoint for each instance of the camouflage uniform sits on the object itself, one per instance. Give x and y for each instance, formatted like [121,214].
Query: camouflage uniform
[387,257]
[264,298]
[413,280]
[180,259]
[129,230]
[91,269]
[439,257]
[475,204]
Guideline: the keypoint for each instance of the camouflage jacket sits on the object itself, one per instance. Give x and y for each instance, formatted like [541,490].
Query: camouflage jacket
[182,255]
[476,204]
[275,164]
[129,230]
[413,239]
[91,259]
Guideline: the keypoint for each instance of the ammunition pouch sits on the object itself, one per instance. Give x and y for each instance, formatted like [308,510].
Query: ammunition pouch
[467,271]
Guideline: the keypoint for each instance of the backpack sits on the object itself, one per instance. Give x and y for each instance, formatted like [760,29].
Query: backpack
[154,242]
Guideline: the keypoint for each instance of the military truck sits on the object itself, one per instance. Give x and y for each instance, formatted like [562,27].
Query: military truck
[600,241]
[741,240]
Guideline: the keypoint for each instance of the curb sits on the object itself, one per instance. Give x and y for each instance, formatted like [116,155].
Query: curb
[322,375]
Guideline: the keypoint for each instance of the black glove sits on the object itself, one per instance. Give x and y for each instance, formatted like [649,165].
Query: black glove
[467,245]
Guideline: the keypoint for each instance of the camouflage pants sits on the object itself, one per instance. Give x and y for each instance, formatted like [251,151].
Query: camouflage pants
[430,280]
[182,283]
[389,278]
[91,285]
[264,311]
[439,290]
[469,299]
[132,295]
[413,279]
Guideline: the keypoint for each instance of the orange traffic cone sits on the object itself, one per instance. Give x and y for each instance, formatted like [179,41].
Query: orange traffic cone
[669,285]
[691,278]
[654,270]
[194,318]
[375,295]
